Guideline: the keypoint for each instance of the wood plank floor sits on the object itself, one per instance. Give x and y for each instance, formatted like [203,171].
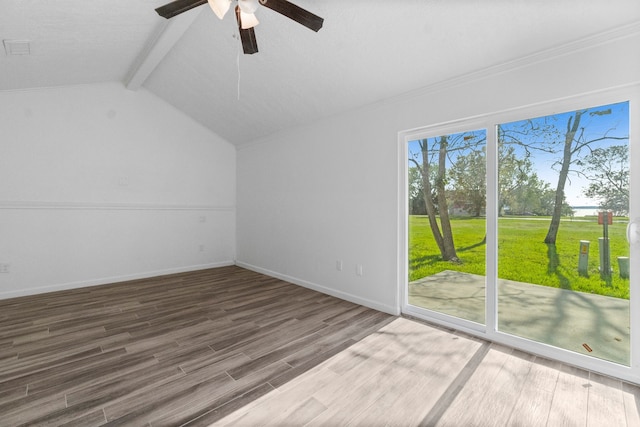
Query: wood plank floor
[165,351]
[232,347]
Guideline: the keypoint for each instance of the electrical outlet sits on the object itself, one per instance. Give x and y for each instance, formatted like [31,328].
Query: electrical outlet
[5,268]
[339,265]
[202,218]
[201,247]
[359,269]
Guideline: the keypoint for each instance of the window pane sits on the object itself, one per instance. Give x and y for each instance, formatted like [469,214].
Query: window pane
[447,225]
[563,277]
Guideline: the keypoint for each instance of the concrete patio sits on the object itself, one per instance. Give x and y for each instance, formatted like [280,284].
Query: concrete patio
[559,317]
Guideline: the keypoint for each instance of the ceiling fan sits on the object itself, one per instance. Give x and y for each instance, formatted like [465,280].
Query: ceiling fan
[244,15]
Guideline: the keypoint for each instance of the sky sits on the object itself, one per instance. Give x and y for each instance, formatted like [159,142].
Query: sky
[615,123]
[597,121]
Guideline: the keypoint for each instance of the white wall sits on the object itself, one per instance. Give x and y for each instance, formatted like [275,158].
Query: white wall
[101,184]
[326,192]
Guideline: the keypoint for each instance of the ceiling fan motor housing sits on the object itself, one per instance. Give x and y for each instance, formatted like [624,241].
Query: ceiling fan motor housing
[247,7]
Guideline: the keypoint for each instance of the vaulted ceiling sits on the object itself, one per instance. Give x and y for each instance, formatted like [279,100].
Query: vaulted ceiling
[367,51]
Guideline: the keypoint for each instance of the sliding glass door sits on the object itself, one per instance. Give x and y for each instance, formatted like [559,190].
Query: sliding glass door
[517,228]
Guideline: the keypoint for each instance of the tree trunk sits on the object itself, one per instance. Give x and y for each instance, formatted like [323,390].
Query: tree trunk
[552,233]
[449,249]
[428,201]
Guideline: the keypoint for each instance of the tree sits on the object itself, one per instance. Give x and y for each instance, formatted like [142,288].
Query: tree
[608,168]
[444,237]
[431,160]
[416,200]
[519,187]
[469,183]
[513,173]
[569,149]
[574,143]
[448,248]
[570,142]
[532,197]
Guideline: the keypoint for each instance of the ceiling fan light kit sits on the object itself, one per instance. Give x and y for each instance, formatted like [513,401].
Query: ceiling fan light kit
[247,20]
[245,15]
[248,6]
[220,7]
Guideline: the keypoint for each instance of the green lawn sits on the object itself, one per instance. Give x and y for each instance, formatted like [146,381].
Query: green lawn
[522,255]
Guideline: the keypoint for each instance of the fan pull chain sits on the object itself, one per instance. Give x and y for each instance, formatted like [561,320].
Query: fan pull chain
[238,65]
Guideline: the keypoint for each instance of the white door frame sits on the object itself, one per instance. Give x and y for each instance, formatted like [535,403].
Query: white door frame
[489,331]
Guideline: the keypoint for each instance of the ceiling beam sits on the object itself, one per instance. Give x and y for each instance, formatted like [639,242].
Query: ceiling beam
[166,35]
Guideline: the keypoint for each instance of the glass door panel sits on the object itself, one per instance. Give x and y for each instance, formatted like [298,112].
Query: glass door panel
[563,205]
[447,224]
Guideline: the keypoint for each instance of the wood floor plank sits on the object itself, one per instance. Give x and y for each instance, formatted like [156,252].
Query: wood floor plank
[90,419]
[184,353]
[280,401]
[277,338]
[27,408]
[113,389]
[390,405]
[310,363]
[570,397]
[355,400]
[78,415]
[475,389]
[29,365]
[506,388]
[277,354]
[217,363]
[81,343]
[234,390]
[436,367]
[606,403]
[322,345]
[65,376]
[534,403]
[84,376]
[288,311]
[50,343]
[8,336]
[207,418]
[432,359]
[631,397]
[138,409]
[8,394]
[64,314]
[105,321]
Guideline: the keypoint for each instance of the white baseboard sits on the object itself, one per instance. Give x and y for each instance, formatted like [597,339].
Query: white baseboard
[108,280]
[115,279]
[323,289]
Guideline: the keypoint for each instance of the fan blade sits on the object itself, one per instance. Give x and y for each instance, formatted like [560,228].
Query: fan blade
[248,36]
[298,14]
[174,8]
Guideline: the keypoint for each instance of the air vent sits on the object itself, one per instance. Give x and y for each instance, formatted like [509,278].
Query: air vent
[17,47]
